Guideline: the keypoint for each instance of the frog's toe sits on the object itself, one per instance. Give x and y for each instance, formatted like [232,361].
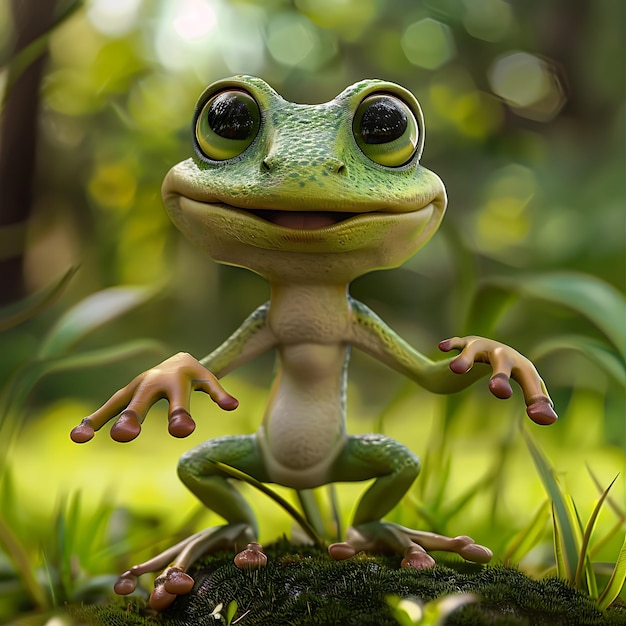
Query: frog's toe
[178,582]
[476,553]
[417,558]
[252,557]
[173,582]
[341,551]
[160,598]
[125,584]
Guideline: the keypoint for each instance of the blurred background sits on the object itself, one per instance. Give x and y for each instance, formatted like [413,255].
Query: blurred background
[524,109]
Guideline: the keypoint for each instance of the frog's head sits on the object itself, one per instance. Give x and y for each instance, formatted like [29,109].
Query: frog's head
[307,193]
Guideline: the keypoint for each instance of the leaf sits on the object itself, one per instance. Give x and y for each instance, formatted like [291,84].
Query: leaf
[239,475]
[598,301]
[593,350]
[564,515]
[559,558]
[583,556]
[30,53]
[90,314]
[437,611]
[616,582]
[231,610]
[528,537]
[21,384]
[15,548]
[617,509]
[31,306]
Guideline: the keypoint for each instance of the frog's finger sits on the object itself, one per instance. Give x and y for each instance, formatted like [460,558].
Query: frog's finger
[154,385]
[179,422]
[539,406]
[472,351]
[542,412]
[108,411]
[219,395]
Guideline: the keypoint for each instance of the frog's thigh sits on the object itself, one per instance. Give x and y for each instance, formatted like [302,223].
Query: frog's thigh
[211,486]
[393,465]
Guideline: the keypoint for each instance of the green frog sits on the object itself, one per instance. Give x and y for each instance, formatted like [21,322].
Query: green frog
[309,197]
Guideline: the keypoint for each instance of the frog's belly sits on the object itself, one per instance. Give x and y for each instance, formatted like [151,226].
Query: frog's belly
[304,426]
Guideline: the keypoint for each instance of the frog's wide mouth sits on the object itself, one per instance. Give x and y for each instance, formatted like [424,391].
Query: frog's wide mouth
[301,220]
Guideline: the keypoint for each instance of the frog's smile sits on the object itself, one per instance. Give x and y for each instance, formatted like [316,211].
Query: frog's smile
[302,220]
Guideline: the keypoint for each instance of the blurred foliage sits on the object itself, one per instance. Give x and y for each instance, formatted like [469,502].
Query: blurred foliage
[524,108]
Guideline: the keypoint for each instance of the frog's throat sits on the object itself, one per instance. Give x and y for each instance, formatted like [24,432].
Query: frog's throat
[343,250]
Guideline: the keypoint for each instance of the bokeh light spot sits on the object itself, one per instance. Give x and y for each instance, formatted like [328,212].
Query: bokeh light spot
[113,185]
[194,19]
[528,84]
[428,43]
[291,39]
[114,18]
[488,20]
[348,17]
[503,221]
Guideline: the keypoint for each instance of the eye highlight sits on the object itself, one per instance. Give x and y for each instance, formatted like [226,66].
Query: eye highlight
[227,124]
[386,130]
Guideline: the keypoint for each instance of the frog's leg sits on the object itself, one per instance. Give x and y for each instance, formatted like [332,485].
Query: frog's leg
[395,468]
[215,491]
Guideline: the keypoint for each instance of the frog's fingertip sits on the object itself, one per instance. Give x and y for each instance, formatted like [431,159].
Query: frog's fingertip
[445,345]
[127,427]
[125,584]
[460,366]
[180,423]
[542,413]
[228,403]
[83,432]
[500,386]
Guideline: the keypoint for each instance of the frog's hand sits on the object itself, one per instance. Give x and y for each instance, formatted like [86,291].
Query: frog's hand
[174,379]
[506,363]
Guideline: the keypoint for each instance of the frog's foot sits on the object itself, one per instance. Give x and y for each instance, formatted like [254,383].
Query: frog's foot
[413,544]
[174,580]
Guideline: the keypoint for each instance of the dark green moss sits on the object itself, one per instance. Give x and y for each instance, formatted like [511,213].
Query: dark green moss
[309,588]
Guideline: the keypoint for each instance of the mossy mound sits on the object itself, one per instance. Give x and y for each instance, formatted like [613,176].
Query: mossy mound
[309,588]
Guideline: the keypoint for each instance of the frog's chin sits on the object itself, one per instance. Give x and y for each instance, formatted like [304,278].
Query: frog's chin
[327,248]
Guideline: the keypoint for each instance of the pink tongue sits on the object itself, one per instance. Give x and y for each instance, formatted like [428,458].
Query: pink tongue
[304,220]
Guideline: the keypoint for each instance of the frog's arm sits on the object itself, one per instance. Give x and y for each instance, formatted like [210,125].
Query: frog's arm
[252,339]
[175,379]
[374,337]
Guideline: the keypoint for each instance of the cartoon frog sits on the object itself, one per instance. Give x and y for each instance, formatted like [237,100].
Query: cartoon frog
[309,197]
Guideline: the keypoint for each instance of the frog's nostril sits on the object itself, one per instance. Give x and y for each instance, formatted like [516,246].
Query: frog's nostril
[303,167]
[337,167]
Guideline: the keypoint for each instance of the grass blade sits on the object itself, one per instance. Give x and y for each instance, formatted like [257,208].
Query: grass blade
[616,582]
[526,539]
[561,566]
[584,548]
[90,314]
[31,306]
[239,475]
[597,352]
[565,518]
[617,509]
[590,297]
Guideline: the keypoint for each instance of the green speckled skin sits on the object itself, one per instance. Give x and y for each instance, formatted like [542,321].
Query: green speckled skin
[302,147]
[305,158]
[304,206]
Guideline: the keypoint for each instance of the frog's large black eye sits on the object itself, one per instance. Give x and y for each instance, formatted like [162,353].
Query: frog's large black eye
[385,129]
[227,124]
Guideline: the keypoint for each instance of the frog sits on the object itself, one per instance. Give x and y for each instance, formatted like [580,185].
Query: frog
[309,197]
